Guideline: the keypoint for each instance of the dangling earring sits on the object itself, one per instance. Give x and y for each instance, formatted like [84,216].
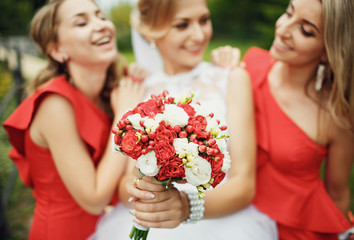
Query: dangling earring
[152,44]
[65,69]
[319,77]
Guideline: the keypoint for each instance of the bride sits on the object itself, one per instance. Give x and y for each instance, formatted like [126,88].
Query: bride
[181,30]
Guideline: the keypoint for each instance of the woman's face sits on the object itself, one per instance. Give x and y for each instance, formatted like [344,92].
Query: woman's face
[299,34]
[85,35]
[183,46]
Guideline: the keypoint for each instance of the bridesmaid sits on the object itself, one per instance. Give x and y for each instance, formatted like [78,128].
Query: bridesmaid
[303,94]
[61,132]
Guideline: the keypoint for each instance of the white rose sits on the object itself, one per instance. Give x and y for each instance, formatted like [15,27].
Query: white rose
[182,145]
[198,172]
[135,120]
[175,115]
[200,110]
[223,149]
[226,162]
[222,145]
[158,118]
[211,124]
[147,164]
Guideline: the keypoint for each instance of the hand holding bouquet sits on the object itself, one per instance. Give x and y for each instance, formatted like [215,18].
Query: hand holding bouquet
[174,140]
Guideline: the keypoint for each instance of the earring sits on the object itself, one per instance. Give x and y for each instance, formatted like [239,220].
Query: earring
[319,77]
[152,44]
[64,59]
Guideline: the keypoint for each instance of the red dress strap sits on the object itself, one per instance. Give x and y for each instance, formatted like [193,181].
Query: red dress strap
[21,119]
[289,187]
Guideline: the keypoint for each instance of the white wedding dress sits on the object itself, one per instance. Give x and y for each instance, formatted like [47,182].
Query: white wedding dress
[209,84]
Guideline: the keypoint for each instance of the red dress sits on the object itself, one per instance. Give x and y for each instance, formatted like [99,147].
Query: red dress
[289,186]
[57,216]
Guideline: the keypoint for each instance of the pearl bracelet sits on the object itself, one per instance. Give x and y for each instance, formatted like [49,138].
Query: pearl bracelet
[196,207]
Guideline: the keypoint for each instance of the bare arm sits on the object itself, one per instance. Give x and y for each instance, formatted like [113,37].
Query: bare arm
[237,193]
[339,166]
[55,128]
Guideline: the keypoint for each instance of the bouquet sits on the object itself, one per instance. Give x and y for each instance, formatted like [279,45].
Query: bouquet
[172,140]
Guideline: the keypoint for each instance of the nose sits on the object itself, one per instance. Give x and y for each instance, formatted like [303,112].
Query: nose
[100,24]
[197,33]
[283,26]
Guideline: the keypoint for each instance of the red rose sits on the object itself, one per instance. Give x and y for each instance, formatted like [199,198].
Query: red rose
[164,151]
[199,124]
[187,108]
[165,133]
[215,165]
[127,114]
[117,139]
[172,169]
[131,145]
[147,108]
[218,178]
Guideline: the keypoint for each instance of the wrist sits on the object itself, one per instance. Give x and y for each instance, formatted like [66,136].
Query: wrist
[185,206]
[196,207]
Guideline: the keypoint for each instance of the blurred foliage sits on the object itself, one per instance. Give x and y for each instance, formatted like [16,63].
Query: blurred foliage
[120,16]
[232,19]
[15,16]
[252,19]
[6,81]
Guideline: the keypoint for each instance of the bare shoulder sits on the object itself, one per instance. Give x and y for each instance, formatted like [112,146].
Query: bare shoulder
[54,115]
[55,105]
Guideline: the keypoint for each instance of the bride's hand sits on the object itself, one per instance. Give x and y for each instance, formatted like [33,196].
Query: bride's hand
[226,57]
[154,205]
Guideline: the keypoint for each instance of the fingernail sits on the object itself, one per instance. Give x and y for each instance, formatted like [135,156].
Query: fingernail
[132,212]
[137,221]
[149,195]
[131,199]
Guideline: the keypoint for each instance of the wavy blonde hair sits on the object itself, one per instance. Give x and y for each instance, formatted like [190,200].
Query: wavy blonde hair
[153,17]
[338,35]
[44,32]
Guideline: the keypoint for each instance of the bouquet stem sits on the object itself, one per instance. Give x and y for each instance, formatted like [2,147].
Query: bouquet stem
[139,232]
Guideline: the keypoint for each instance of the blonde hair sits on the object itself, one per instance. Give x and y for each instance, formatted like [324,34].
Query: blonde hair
[153,17]
[338,36]
[44,32]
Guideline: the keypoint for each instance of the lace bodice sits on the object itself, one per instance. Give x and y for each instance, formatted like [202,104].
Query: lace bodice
[206,81]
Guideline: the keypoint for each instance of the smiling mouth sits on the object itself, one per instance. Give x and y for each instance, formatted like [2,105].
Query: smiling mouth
[280,45]
[194,50]
[103,40]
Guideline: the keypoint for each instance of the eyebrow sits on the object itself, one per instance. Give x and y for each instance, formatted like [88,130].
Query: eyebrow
[187,19]
[83,14]
[305,21]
